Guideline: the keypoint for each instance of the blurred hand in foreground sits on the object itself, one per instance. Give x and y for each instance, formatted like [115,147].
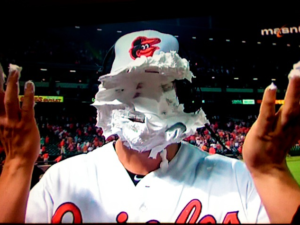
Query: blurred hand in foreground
[20,138]
[274,133]
[19,133]
[266,147]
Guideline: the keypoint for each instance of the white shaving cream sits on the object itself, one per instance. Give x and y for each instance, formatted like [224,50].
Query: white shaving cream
[144,89]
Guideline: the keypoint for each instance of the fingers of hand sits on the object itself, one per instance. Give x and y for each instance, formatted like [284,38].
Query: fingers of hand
[2,107]
[267,108]
[27,111]
[291,107]
[11,99]
[2,79]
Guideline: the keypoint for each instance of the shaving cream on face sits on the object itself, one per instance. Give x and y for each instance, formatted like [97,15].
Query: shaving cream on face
[146,86]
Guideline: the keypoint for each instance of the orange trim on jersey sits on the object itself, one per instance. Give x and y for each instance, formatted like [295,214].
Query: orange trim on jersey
[231,218]
[208,219]
[122,217]
[194,206]
[63,209]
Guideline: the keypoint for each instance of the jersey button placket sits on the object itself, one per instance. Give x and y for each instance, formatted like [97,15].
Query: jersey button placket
[143,208]
[143,198]
[143,188]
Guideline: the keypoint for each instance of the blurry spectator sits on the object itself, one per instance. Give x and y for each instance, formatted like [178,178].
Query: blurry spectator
[96,142]
[240,150]
[63,150]
[90,129]
[192,140]
[42,141]
[58,159]
[198,141]
[62,142]
[99,132]
[60,135]
[85,147]
[82,145]
[70,140]
[71,146]
[67,139]
[219,147]
[204,148]
[76,138]
[79,132]
[78,147]
[221,134]
[212,150]
[46,157]
[236,145]
[47,139]
[227,143]
[90,148]
[206,132]
[233,135]
[215,126]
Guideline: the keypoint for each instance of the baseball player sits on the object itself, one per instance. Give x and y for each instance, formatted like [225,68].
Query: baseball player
[148,174]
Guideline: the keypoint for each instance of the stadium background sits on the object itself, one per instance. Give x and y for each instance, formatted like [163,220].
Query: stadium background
[61,46]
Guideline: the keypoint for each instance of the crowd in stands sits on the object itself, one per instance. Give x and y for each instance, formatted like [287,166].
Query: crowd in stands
[67,137]
[214,140]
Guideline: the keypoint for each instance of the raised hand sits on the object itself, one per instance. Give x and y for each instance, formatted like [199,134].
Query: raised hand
[19,133]
[266,147]
[20,138]
[274,133]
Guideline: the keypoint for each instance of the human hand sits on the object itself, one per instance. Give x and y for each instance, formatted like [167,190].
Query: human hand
[19,133]
[274,133]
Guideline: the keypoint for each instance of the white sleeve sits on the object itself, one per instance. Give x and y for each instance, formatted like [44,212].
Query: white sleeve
[255,211]
[40,203]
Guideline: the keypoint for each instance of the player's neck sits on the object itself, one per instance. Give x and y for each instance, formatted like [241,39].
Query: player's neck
[140,163]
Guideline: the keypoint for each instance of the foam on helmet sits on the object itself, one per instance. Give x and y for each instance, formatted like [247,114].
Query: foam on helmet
[142,84]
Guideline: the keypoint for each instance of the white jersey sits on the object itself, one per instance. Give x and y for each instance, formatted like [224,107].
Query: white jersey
[197,187]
